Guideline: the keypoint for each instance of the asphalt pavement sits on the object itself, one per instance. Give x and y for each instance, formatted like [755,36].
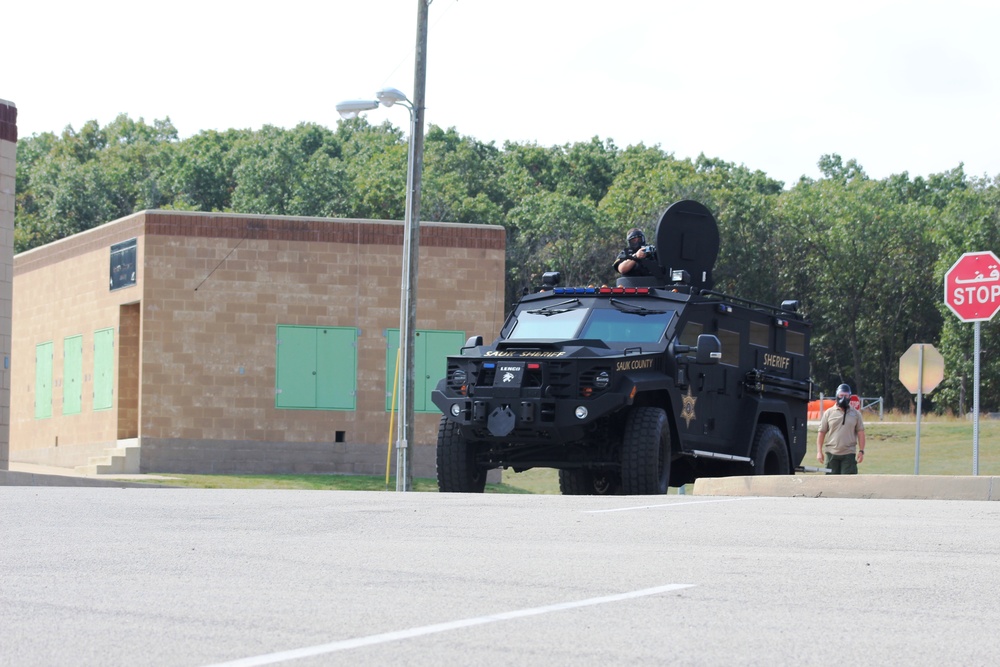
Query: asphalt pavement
[154,576]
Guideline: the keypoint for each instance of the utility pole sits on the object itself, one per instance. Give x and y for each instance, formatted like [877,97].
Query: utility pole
[411,251]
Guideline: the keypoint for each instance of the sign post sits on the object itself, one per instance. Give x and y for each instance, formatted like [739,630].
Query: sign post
[921,369]
[972,292]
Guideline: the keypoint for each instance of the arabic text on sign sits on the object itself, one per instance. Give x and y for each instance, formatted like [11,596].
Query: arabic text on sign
[980,278]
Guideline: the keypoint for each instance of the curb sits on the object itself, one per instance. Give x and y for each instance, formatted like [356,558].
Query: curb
[13,478]
[895,487]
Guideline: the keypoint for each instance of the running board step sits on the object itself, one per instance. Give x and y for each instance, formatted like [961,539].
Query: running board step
[712,455]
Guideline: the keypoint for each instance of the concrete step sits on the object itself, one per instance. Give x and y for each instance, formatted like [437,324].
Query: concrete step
[115,461]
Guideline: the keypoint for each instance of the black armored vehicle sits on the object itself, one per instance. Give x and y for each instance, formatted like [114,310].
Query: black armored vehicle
[631,389]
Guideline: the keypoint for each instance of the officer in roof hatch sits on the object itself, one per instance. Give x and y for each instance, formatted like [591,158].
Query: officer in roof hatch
[841,440]
[637,259]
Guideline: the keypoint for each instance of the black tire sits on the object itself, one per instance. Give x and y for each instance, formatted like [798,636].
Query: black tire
[770,452]
[581,482]
[646,452]
[457,471]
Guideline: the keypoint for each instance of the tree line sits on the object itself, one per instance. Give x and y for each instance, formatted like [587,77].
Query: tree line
[865,257]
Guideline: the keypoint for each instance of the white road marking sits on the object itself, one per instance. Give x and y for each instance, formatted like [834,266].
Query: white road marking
[690,502]
[332,647]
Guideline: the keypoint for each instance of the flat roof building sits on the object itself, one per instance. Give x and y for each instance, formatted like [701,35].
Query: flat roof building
[225,343]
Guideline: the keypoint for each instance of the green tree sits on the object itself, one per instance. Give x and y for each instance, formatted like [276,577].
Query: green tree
[970,222]
[290,172]
[647,181]
[201,176]
[863,257]
[460,179]
[375,161]
[550,231]
[83,179]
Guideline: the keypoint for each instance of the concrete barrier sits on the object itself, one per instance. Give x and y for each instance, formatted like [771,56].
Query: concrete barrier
[901,487]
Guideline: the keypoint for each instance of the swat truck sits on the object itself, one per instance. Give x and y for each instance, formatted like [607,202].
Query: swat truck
[631,389]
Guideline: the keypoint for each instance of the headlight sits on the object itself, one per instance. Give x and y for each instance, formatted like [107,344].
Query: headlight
[456,409]
[602,380]
[459,376]
[581,412]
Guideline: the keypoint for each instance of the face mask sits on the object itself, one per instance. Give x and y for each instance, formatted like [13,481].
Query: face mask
[844,402]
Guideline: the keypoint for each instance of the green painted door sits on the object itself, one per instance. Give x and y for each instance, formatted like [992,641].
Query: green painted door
[316,368]
[430,363]
[43,380]
[72,375]
[104,369]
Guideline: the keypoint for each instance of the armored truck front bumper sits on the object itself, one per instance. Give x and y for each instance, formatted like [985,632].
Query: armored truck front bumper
[531,402]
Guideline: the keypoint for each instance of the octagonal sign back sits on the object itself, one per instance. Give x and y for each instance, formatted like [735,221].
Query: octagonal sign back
[972,286]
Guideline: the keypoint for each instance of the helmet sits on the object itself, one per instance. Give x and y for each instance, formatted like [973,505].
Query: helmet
[844,396]
[635,239]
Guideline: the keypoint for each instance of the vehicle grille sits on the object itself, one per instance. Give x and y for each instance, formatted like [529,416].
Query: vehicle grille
[587,386]
[561,380]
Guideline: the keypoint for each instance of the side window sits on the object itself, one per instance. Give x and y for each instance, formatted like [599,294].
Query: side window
[104,368]
[43,380]
[795,343]
[123,264]
[72,375]
[430,364]
[317,368]
[691,332]
[730,347]
[760,334]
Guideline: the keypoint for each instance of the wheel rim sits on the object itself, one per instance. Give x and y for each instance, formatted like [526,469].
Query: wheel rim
[602,484]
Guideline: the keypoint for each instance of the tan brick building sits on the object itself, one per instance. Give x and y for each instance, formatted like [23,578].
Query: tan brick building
[238,343]
[8,157]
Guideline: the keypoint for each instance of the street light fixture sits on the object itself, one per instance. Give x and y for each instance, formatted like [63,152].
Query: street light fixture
[352,108]
[407,308]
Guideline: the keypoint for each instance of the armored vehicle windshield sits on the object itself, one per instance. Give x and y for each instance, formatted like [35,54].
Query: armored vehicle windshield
[613,321]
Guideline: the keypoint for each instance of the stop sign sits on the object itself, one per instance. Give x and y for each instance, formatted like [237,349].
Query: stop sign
[910,368]
[972,286]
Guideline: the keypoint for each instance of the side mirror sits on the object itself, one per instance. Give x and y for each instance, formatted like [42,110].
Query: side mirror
[708,350]
[474,341]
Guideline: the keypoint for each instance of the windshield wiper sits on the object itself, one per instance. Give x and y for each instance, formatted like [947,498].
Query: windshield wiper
[554,309]
[635,310]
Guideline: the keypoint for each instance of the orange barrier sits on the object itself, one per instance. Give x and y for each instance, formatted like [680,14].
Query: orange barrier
[816,408]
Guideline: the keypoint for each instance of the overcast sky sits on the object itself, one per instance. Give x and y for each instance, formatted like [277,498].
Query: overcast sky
[774,84]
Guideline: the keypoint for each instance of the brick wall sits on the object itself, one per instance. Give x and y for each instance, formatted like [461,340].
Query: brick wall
[213,290]
[8,155]
[60,291]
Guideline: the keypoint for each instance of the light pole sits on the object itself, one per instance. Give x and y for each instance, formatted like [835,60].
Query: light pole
[411,235]
[407,306]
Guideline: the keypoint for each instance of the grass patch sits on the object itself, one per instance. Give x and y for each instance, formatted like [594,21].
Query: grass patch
[303,482]
[945,449]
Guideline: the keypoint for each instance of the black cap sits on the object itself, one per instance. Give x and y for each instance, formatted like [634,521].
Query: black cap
[844,389]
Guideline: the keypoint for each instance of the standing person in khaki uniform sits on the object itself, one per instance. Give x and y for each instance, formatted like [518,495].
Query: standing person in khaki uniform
[841,440]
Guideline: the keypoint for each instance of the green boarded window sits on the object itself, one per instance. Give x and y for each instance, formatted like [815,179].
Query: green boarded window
[72,375]
[430,363]
[104,368]
[43,380]
[317,368]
